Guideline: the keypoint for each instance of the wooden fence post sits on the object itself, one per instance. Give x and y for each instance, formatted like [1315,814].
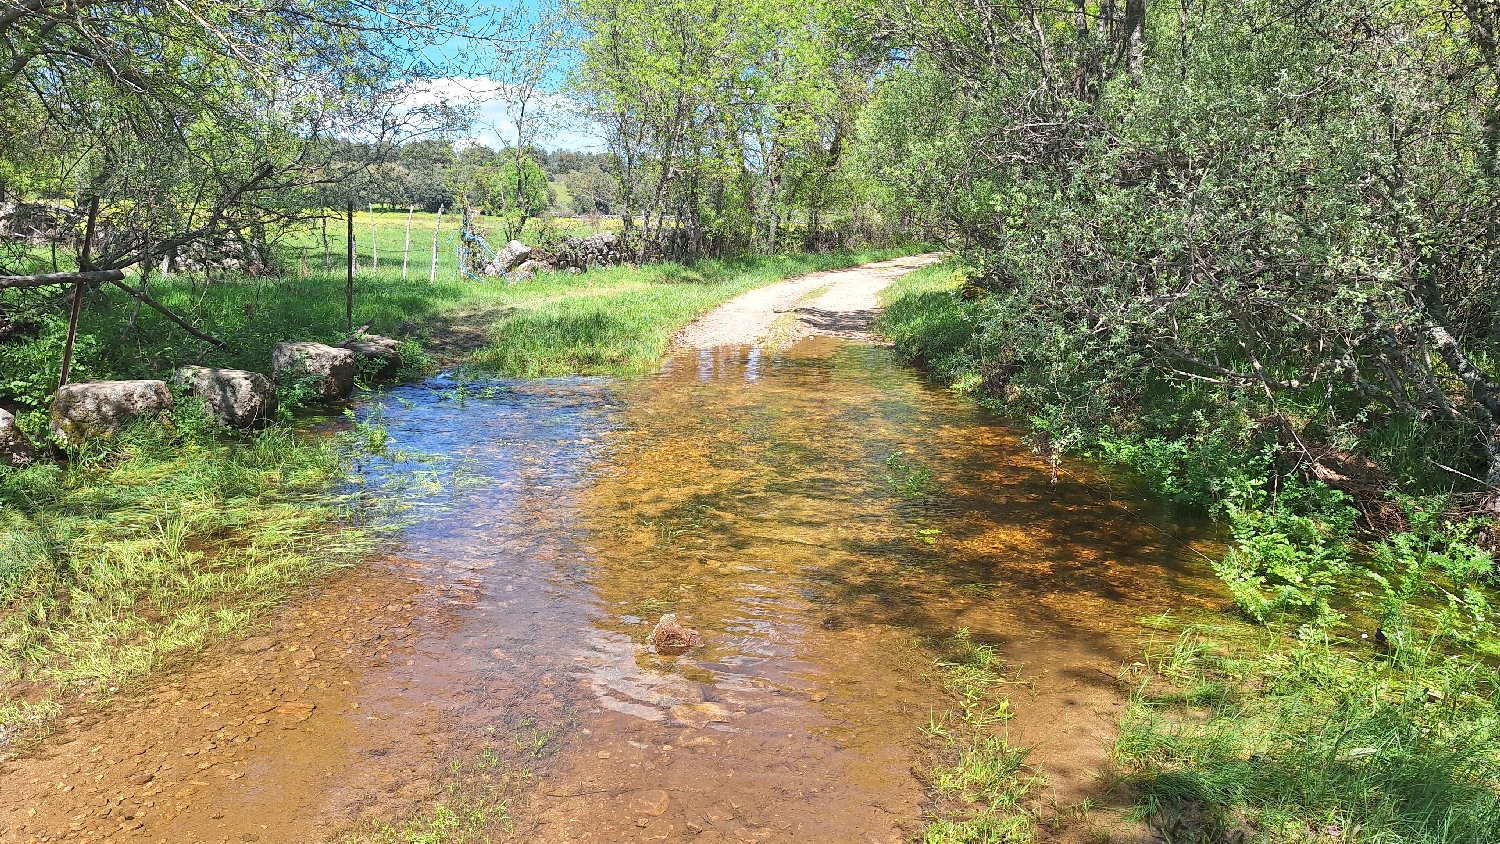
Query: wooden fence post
[374,247]
[406,253]
[349,278]
[433,278]
[83,265]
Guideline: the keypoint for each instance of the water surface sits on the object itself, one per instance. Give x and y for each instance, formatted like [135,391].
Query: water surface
[820,515]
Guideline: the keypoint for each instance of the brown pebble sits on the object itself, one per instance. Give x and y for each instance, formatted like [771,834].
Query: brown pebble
[653,802]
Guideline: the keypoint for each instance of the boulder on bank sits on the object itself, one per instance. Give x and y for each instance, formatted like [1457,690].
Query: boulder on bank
[101,408]
[15,447]
[333,368]
[514,254]
[233,396]
[376,348]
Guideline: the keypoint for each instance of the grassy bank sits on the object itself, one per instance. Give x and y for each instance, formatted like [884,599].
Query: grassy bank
[606,321]
[1235,740]
[143,547]
[1364,710]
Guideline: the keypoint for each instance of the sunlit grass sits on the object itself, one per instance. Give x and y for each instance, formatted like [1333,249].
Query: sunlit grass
[982,787]
[154,543]
[1316,741]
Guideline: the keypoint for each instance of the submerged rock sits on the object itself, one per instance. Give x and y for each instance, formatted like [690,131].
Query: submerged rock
[670,637]
[333,368]
[15,447]
[232,396]
[101,408]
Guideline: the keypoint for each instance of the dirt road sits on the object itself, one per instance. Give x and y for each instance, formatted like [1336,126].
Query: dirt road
[837,303]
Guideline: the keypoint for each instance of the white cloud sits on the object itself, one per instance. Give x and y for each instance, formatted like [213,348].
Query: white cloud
[493,124]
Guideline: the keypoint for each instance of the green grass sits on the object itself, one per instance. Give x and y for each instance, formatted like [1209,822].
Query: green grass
[475,799]
[1314,741]
[925,318]
[607,321]
[620,320]
[150,544]
[981,788]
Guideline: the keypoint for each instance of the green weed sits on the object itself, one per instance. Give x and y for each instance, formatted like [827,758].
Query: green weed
[979,784]
[155,542]
[909,480]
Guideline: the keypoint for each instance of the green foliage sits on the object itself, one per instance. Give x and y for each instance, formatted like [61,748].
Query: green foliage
[1209,231]
[926,319]
[516,190]
[1291,550]
[1316,743]
[29,373]
[907,478]
[727,124]
[1431,578]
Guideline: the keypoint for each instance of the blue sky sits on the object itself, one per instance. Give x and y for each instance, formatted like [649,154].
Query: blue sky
[493,124]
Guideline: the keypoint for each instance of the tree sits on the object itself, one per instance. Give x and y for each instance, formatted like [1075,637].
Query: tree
[515,193]
[594,191]
[722,120]
[196,123]
[1288,206]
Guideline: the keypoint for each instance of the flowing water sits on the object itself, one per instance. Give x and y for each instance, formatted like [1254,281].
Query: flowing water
[820,515]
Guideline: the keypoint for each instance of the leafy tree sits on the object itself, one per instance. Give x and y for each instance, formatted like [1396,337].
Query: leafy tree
[594,191]
[515,193]
[196,123]
[724,123]
[1269,210]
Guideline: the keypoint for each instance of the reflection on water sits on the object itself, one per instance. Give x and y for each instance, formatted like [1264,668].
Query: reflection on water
[755,495]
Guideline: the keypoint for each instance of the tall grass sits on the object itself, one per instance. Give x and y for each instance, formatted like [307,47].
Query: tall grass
[620,320]
[606,321]
[1315,741]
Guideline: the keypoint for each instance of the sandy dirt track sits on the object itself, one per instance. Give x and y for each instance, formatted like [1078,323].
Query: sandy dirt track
[838,303]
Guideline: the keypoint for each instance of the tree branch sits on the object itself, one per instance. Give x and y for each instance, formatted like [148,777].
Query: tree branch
[23,282]
[181,323]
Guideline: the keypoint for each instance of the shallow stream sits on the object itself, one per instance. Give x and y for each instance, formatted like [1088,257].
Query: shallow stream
[820,515]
